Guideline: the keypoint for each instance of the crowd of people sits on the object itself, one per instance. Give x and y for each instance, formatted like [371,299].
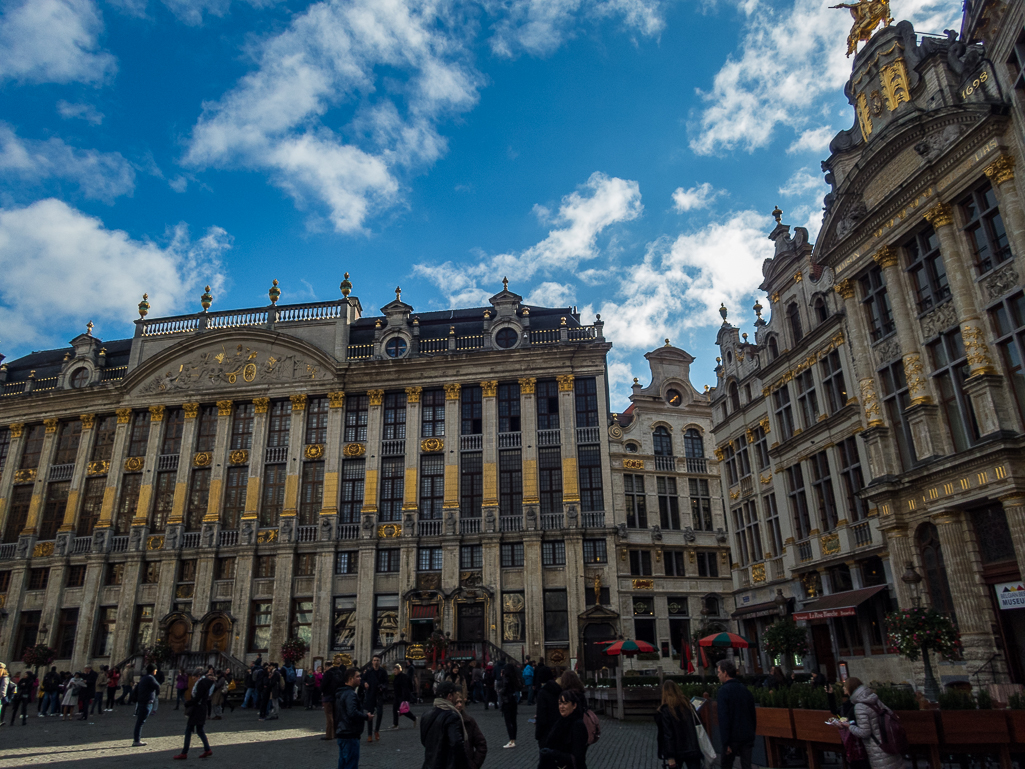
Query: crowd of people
[70,695]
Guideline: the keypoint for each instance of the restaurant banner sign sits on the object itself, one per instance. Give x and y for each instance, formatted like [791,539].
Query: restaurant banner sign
[847,611]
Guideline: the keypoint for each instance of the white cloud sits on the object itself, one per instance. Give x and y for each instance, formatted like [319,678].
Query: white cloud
[696,197]
[788,59]
[551,294]
[62,268]
[99,175]
[814,140]
[188,11]
[581,219]
[179,184]
[86,112]
[803,181]
[53,41]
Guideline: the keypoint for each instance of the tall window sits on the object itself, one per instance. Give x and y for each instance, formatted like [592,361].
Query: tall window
[668,503]
[594,551]
[662,442]
[549,464]
[139,434]
[392,487]
[708,565]
[589,471]
[206,430]
[734,397]
[927,539]
[5,445]
[1008,318]
[279,424]
[316,420]
[784,412]
[1016,67]
[471,485]
[877,304]
[772,529]
[896,402]
[128,502]
[553,553]
[693,444]
[68,438]
[394,417]
[748,534]
[347,562]
[995,542]
[259,626]
[343,631]
[509,408]
[432,413]
[636,506]
[353,473]
[235,487]
[821,312]
[106,427]
[730,463]
[66,627]
[510,483]
[773,348]
[104,638]
[386,620]
[586,392]
[853,481]
[675,563]
[432,486]
[174,427]
[17,513]
[950,370]
[644,619]
[311,493]
[822,484]
[985,228]
[302,620]
[794,319]
[471,557]
[513,615]
[547,404]
[807,400]
[761,447]
[273,500]
[143,635]
[798,501]
[33,447]
[743,462]
[430,559]
[512,555]
[199,497]
[640,563]
[472,410]
[388,560]
[556,615]
[926,268]
[833,381]
[53,510]
[356,415]
[700,504]
[92,504]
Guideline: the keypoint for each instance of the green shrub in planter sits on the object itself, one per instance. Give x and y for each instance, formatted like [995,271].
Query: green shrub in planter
[649,656]
[984,700]
[954,700]
[1016,701]
[897,697]
[807,697]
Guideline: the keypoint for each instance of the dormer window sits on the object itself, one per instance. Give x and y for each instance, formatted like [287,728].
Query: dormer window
[794,317]
[506,338]
[79,378]
[396,347]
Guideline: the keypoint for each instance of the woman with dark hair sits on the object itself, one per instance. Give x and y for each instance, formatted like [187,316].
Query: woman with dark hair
[677,735]
[547,713]
[777,680]
[865,725]
[509,686]
[566,743]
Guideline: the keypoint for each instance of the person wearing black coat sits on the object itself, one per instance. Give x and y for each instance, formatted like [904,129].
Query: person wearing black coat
[442,732]
[677,734]
[375,684]
[566,743]
[735,706]
[509,686]
[403,692]
[349,716]
[196,711]
[547,701]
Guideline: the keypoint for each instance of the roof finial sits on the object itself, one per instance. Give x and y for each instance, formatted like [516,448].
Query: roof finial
[778,214]
[144,306]
[274,293]
[398,294]
[667,342]
[505,284]
[723,312]
[346,286]
[206,299]
[89,328]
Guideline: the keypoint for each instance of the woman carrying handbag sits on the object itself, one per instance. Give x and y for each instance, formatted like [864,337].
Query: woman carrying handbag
[682,740]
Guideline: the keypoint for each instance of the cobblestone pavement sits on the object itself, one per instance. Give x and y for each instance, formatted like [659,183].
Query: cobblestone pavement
[292,742]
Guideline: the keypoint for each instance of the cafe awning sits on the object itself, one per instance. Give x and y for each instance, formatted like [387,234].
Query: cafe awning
[767,609]
[417,611]
[838,604]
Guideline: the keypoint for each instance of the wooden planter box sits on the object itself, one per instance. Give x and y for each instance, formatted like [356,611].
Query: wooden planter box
[974,727]
[811,726]
[920,726]
[775,722]
[1016,720]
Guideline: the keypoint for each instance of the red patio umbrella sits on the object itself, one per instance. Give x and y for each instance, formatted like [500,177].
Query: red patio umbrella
[726,640]
[629,647]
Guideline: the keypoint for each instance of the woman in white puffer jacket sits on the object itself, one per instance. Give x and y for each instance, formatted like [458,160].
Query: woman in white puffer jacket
[866,726]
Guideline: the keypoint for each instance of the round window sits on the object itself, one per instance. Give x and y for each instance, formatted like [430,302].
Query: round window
[80,378]
[632,448]
[673,398]
[506,338]
[396,347]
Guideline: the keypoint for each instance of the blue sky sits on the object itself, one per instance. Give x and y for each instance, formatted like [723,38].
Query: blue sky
[619,155]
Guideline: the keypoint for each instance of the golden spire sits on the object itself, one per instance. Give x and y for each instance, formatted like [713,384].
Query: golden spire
[867,15]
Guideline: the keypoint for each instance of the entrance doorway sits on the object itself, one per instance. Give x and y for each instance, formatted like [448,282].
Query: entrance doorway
[824,650]
[179,633]
[470,625]
[420,630]
[593,658]
[218,634]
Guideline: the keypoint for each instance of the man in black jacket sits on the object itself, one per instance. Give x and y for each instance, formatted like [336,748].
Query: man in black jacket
[375,682]
[736,709]
[51,693]
[148,688]
[349,718]
[195,709]
[442,732]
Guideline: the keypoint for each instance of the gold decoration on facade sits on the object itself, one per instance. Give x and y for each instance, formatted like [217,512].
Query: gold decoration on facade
[298,402]
[894,77]
[224,408]
[489,388]
[336,400]
[864,118]
[807,363]
[633,464]
[185,591]
[124,416]
[42,550]
[939,215]
[774,298]
[764,424]
[134,464]
[917,389]
[976,351]
[155,542]
[354,449]
[376,397]
[643,584]
[25,476]
[886,257]
[429,445]
[238,457]
[528,385]
[88,420]
[867,15]
[830,543]
[266,536]
[452,391]
[202,459]
[51,425]
[720,455]
[261,405]
[99,467]
[845,288]
[156,413]
[314,451]
[415,652]
[870,402]
[389,530]
[875,104]
[798,277]
[565,383]
[1001,170]
[766,478]
[191,410]
[758,573]
[413,394]
[735,494]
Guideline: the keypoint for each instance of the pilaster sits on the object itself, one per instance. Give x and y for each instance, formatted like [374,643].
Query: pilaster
[412,449]
[296,431]
[249,521]
[78,476]
[332,470]
[528,431]
[17,430]
[185,458]
[568,436]
[281,610]
[218,465]
[117,460]
[533,594]
[490,442]
[375,423]
[452,448]
[1001,173]
[39,484]
[121,646]
[365,601]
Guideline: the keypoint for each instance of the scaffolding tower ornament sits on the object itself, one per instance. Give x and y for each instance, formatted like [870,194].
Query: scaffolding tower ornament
[867,15]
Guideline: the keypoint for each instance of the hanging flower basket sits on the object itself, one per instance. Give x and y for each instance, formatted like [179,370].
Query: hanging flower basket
[39,655]
[293,650]
[908,631]
[437,642]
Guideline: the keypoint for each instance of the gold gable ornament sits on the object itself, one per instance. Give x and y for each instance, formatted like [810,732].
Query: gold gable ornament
[867,15]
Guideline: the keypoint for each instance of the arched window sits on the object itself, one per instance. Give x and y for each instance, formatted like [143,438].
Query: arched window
[773,348]
[794,317]
[80,378]
[395,347]
[506,338]
[711,604]
[821,313]
[663,442]
[693,444]
[734,397]
[927,539]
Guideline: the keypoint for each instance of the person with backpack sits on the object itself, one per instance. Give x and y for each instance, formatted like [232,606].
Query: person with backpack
[570,682]
[476,745]
[677,733]
[737,717]
[508,687]
[195,710]
[290,679]
[566,744]
[528,681]
[879,730]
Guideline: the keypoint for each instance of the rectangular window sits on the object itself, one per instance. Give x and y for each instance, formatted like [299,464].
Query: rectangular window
[388,560]
[163,499]
[241,426]
[822,484]
[761,447]
[66,627]
[807,400]
[206,430]
[106,622]
[343,623]
[106,427]
[896,402]
[1016,68]
[68,438]
[430,559]
[708,563]
[1008,319]
[471,557]
[5,445]
[640,563]
[644,619]
[926,269]
[54,508]
[549,464]
[235,486]
[28,632]
[432,413]
[305,564]
[174,427]
[316,420]
[302,620]
[668,503]
[784,413]
[876,303]
[553,553]
[356,415]
[392,487]
[509,408]
[514,618]
[17,513]
[743,461]
[199,499]
[833,382]
[386,620]
[674,563]
[76,575]
[853,481]
[747,533]
[700,504]
[594,551]
[798,501]
[115,574]
[950,370]
[512,555]
[279,424]
[263,566]
[471,485]
[33,447]
[547,398]
[273,497]
[311,493]
[586,393]
[259,626]
[92,504]
[472,410]
[556,616]
[985,228]
[38,578]
[128,502]
[187,568]
[138,436]
[224,568]
[589,470]
[772,525]
[679,623]
[730,463]
[432,487]
[353,473]
[636,506]
[143,627]
[394,417]
[347,562]
[5,581]
[510,483]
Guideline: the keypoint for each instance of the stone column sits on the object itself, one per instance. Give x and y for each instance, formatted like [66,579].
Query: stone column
[66,532]
[375,417]
[533,594]
[294,467]
[332,471]
[898,543]
[39,485]
[141,518]
[365,600]
[91,592]
[7,474]
[528,442]
[985,387]
[212,519]
[568,441]
[1001,173]
[121,646]
[492,576]
[281,609]
[489,447]
[242,602]
[323,597]
[409,506]
[1014,509]
[452,449]
[181,480]
[117,459]
[249,522]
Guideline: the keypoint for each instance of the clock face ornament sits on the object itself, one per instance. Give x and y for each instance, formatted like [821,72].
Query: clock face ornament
[673,398]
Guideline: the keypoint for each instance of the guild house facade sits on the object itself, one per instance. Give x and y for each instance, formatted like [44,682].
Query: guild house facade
[895,351]
[229,480]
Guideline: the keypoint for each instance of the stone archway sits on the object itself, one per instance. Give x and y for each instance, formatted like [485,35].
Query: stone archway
[178,632]
[217,633]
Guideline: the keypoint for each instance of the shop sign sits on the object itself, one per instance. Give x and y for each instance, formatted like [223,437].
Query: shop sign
[1011,595]
[847,611]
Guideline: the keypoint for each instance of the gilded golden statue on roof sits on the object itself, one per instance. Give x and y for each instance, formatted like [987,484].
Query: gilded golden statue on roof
[867,15]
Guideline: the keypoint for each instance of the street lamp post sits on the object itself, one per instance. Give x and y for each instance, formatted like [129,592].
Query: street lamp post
[913,580]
